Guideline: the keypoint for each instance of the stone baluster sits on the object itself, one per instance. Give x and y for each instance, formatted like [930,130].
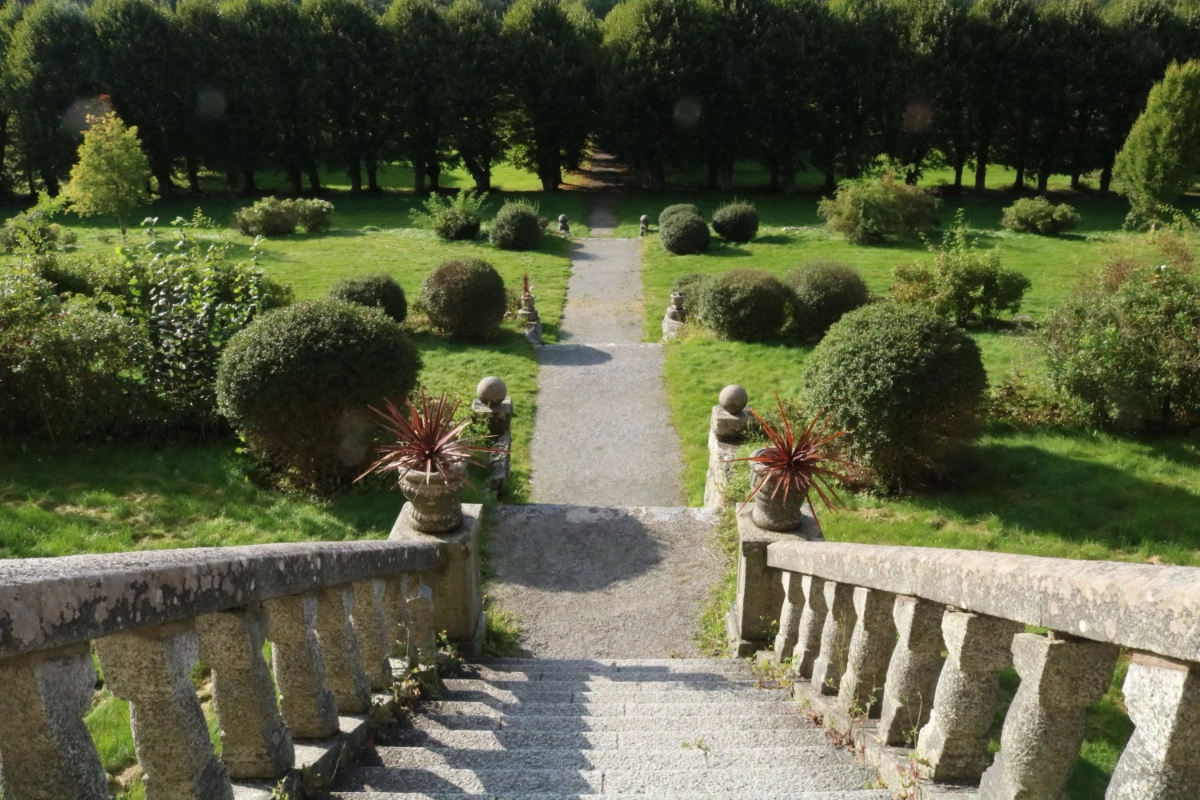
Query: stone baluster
[255,742]
[789,616]
[396,610]
[152,669]
[861,687]
[1162,759]
[913,671]
[954,744]
[376,639]
[1043,729]
[309,708]
[422,635]
[46,752]
[344,674]
[812,621]
[835,637]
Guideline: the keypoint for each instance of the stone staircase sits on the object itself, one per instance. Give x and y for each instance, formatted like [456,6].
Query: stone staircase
[540,729]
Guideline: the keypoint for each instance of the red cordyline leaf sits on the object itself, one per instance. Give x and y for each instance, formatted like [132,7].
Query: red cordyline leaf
[796,463]
[427,438]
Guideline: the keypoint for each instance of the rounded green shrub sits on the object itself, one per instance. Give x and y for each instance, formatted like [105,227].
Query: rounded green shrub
[465,298]
[1038,215]
[905,384]
[684,235]
[374,291]
[689,283]
[678,210]
[873,210]
[822,291]
[268,217]
[516,226]
[297,382]
[736,221]
[746,305]
[314,216]
[457,225]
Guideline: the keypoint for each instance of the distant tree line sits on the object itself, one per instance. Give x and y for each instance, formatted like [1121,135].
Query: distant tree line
[243,86]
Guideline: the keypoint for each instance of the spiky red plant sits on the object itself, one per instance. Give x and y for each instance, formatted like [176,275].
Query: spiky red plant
[526,288]
[428,439]
[793,463]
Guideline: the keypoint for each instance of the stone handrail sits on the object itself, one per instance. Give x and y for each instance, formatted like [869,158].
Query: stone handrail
[333,613]
[917,638]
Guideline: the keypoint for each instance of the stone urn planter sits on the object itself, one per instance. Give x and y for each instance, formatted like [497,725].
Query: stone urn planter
[527,302]
[436,499]
[775,513]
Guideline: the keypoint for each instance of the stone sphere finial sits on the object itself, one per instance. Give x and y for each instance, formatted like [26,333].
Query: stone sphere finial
[562,217]
[645,219]
[734,399]
[491,390]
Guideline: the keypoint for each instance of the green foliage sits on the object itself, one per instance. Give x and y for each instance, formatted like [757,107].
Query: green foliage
[31,231]
[678,210]
[736,221]
[821,292]
[314,216]
[907,385]
[689,283]
[454,219]
[1038,215]
[274,217]
[684,234]
[873,210]
[516,226]
[297,382]
[1162,152]
[112,172]
[465,298]
[965,283]
[745,305]
[476,130]
[374,291]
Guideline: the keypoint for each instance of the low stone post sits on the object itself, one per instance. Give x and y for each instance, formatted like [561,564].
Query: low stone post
[255,742]
[644,227]
[46,752]
[675,316]
[422,635]
[309,708]
[789,616]
[564,225]
[913,670]
[954,743]
[728,425]
[812,621]
[493,405]
[344,674]
[1043,729]
[152,669]
[835,637]
[375,639]
[861,687]
[1162,759]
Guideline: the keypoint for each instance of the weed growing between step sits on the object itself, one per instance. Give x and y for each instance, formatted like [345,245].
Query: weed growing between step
[502,635]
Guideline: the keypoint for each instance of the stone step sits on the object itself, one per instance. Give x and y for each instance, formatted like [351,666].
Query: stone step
[600,740]
[741,721]
[656,783]
[690,708]
[605,685]
[696,754]
[550,664]
[852,794]
[483,692]
[732,676]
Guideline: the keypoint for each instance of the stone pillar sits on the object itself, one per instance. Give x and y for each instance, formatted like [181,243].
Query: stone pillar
[870,651]
[396,612]
[913,671]
[835,637]
[46,752]
[422,635]
[493,405]
[344,674]
[644,225]
[255,742]
[309,708]
[812,621]
[727,426]
[1162,759]
[375,637]
[955,742]
[1043,729]
[789,616]
[152,669]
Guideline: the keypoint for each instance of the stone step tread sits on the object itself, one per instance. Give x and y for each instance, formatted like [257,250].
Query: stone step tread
[605,740]
[740,721]
[484,693]
[852,794]
[689,708]
[614,687]
[731,676]
[615,663]
[811,778]
[695,754]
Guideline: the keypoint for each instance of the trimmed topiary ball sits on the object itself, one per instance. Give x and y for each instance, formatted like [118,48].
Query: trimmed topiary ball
[297,382]
[907,386]
[516,226]
[822,291]
[465,298]
[678,210]
[746,305]
[1038,215]
[373,291]
[684,235]
[736,221]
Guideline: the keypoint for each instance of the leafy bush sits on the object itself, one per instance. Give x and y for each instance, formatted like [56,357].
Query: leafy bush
[298,381]
[464,298]
[268,217]
[689,283]
[822,291]
[870,211]
[906,385]
[736,221]
[678,210]
[456,219]
[373,291]
[1039,215]
[965,283]
[745,305]
[315,216]
[517,226]
[33,232]
[684,234]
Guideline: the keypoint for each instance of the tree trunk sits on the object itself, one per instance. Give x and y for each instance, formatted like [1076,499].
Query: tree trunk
[314,176]
[1106,179]
[1043,181]
[295,180]
[713,169]
[981,164]
[193,175]
[958,174]
[911,176]
[773,169]
[1019,180]
[354,170]
[1075,181]
[830,180]
[166,187]
[249,187]
[725,175]
[434,170]
[51,181]
[658,178]
[481,174]
[419,176]
[787,178]
[372,175]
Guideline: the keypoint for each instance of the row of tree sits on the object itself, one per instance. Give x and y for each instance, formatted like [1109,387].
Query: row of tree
[241,86]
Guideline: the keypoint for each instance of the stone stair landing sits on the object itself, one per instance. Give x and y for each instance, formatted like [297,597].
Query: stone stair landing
[674,729]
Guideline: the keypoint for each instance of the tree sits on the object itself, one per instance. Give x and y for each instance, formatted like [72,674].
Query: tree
[420,39]
[1162,153]
[475,124]
[112,172]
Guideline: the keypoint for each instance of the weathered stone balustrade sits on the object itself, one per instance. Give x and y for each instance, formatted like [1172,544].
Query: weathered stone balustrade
[333,613]
[868,625]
